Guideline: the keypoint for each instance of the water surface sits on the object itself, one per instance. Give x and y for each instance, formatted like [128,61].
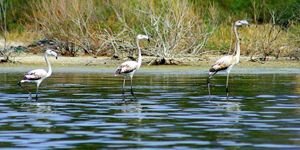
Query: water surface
[87,110]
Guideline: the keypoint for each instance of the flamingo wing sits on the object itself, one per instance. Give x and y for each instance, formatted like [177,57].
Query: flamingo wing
[221,64]
[35,74]
[127,67]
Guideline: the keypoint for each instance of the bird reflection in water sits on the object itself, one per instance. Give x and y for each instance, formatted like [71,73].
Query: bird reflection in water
[37,107]
[130,107]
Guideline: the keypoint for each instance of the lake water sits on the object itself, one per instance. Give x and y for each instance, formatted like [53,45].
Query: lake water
[170,111]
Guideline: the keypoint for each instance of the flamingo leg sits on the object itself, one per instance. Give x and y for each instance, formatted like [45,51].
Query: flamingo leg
[208,87]
[37,89]
[123,97]
[20,84]
[227,91]
[132,93]
[227,82]
[131,86]
[123,86]
[37,92]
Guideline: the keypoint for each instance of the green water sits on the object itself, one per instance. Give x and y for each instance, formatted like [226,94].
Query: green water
[87,110]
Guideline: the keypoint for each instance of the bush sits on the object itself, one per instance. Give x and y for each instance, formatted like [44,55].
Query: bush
[175,27]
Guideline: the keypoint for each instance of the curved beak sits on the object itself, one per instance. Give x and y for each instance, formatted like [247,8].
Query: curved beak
[149,37]
[56,57]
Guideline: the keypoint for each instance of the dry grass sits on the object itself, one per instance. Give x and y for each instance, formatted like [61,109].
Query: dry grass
[179,29]
[174,25]
[257,41]
[25,37]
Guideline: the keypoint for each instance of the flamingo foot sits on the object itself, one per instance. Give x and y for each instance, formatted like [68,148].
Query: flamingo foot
[227,94]
[131,91]
[29,96]
[36,96]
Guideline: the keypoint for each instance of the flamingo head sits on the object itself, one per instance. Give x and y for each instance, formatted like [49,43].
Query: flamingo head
[241,22]
[143,37]
[51,52]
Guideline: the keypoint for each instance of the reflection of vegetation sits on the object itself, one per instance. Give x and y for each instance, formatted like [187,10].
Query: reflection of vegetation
[297,88]
[179,28]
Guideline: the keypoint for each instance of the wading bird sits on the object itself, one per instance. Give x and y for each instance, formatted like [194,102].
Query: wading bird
[38,75]
[226,63]
[128,68]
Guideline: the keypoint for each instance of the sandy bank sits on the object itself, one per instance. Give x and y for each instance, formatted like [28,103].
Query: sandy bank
[108,65]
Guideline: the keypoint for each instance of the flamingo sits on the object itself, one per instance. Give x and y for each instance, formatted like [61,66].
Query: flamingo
[226,63]
[128,68]
[38,75]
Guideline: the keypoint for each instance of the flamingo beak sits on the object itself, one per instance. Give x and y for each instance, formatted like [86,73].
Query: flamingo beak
[149,37]
[56,57]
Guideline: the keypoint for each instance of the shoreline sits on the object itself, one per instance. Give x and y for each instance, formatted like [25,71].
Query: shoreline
[175,70]
[88,64]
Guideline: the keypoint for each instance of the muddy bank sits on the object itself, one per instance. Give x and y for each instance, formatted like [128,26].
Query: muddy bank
[108,65]
[29,59]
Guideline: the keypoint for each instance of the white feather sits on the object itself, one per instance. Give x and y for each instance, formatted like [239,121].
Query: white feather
[127,67]
[35,74]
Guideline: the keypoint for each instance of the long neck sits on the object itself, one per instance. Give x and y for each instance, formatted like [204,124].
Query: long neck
[49,66]
[237,44]
[140,54]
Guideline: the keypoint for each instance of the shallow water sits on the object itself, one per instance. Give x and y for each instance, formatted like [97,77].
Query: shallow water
[170,111]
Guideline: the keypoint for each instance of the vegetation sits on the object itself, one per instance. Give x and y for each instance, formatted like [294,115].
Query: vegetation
[179,28]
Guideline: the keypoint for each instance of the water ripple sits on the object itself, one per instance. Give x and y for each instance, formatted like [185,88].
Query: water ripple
[89,111]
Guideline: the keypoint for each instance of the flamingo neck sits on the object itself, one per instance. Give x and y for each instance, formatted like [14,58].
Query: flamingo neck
[140,54]
[49,66]
[237,44]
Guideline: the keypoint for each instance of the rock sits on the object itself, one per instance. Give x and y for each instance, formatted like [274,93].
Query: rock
[115,57]
[164,61]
